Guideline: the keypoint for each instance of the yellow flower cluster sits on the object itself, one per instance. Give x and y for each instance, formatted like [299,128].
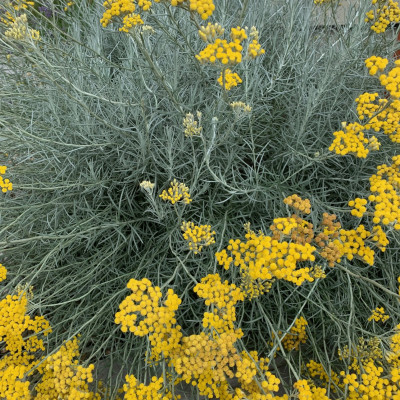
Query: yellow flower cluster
[369,385]
[379,236]
[365,352]
[68,6]
[376,64]
[63,377]
[223,53]
[138,391]
[391,81]
[307,390]
[197,237]
[295,201]
[378,314]
[365,378]
[262,257]
[350,141]
[5,184]
[299,230]
[398,280]
[254,50]
[381,114]
[20,30]
[205,360]
[211,32]
[229,79]
[142,314]
[393,357]
[176,192]
[359,207]
[3,273]
[227,53]
[222,298]
[366,107]
[124,9]
[192,127]
[317,370]
[14,323]
[296,335]
[17,353]
[386,12]
[252,372]
[21,363]
[352,242]
[204,8]
[319,2]
[384,186]
[130,21]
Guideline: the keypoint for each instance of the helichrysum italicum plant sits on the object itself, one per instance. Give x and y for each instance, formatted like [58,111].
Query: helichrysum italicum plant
[83,131]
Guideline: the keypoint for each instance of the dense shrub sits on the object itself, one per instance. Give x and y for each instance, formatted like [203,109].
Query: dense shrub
[89,113]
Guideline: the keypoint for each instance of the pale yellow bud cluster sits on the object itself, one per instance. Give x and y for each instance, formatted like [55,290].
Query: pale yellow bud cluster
[191,126]
[147,185]
[211,32]
[239,107]
[20,30]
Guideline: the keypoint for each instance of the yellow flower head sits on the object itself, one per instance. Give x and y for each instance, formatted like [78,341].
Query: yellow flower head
[197,236]
[378,314]
[176,192]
